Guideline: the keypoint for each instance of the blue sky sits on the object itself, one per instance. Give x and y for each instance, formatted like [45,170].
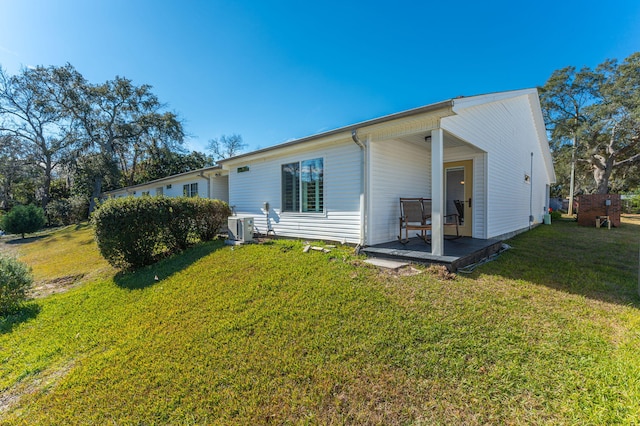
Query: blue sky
[273,71]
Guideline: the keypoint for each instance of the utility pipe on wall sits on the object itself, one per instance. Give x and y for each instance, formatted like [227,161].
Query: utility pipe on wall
[531,193]
[363,185]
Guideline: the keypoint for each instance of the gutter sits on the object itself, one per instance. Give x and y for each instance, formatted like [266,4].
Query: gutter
[364,184]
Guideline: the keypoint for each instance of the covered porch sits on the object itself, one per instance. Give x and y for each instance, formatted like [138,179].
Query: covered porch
[457,253]
[431,164]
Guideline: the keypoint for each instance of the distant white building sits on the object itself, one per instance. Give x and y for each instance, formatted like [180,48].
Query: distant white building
[208,182]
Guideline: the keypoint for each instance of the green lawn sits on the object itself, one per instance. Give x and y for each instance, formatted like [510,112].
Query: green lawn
[258,334]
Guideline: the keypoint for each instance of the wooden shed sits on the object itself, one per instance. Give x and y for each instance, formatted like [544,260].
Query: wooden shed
[593,206]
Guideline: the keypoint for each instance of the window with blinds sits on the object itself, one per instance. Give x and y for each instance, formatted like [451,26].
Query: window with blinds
[190,190]
[303,186]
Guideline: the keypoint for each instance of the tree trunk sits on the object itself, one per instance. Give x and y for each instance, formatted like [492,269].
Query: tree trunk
[46,187]
[602,168]
[601,176]
[97,191]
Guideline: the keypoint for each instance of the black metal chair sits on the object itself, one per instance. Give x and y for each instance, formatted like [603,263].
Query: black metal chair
[415,215]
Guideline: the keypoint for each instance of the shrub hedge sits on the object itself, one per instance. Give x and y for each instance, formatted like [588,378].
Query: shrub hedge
[15,280]
[133,232]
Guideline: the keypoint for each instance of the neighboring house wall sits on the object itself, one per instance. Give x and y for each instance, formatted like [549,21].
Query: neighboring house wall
[177,186]
[506,130]
[261,183]
[208,186]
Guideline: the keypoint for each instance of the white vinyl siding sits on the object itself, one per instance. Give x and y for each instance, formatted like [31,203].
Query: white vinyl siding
[220,188]
[398,169]
[505,130]
[339,218]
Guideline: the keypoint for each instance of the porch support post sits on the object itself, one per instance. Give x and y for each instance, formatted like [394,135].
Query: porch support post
[437,192]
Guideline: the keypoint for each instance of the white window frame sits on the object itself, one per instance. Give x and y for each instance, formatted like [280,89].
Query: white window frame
[300,184]
[190,189]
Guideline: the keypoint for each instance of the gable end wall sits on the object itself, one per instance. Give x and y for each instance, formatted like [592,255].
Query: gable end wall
[506,131]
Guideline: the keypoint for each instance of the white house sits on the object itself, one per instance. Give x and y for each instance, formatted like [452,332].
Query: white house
[208,182]
[489,151]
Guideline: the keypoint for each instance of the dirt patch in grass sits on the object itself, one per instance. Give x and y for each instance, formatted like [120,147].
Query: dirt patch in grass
[54,286]
[404,271]
[34,384]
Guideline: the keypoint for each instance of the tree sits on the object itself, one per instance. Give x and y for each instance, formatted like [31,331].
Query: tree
[12,169]
[23,220]
[226,146]
[599,111]
[163,162]
[29,112]
[164,132]
[116,121]
[89,167]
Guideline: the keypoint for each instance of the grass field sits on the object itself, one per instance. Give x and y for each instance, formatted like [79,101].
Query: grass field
[259,334]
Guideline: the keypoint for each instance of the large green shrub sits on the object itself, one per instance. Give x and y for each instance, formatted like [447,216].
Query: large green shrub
[66,211]
[133,232]
[210,216]
[23,220]
[15,280]
[181,224]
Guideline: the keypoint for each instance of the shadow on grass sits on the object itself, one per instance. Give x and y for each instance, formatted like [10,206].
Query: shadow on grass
[599,264]
[27,312]
[47,232]
[152,274]
[26,240]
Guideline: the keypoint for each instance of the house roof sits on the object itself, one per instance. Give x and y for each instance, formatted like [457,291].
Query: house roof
[164,179]
[449,104]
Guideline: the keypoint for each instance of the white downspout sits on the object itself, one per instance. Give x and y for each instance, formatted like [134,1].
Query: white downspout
[364,183]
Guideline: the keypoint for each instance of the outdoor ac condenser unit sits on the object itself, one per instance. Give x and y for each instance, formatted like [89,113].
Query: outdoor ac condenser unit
[240,229]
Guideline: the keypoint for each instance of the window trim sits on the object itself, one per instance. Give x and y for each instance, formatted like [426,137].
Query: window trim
[187,190]
[299,212]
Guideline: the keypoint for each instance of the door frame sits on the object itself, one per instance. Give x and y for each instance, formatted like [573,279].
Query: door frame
[465,229]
